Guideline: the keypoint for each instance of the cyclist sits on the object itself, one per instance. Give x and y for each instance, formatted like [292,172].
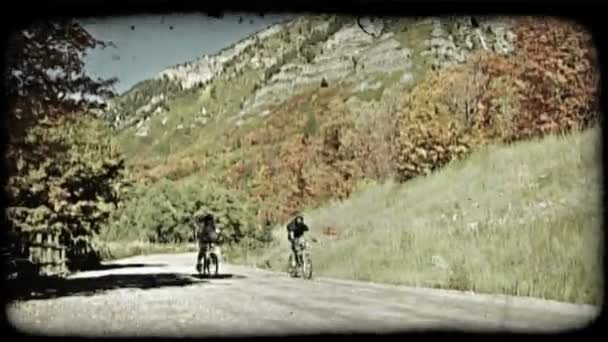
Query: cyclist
[207,236]
[295,234]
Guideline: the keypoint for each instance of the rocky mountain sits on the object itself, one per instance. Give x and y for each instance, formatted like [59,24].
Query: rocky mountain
[269,67]
[304,110]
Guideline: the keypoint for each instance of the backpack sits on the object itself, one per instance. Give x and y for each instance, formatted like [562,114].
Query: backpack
[212,235]
[208,233]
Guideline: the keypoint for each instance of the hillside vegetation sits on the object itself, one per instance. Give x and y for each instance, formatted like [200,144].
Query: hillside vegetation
[522,220]
[316,142]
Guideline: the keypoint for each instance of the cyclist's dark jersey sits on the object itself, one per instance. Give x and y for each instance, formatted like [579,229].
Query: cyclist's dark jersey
[207,233]
[297,229]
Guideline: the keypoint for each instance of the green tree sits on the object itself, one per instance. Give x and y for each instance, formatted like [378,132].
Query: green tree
[65,174]
[164,212]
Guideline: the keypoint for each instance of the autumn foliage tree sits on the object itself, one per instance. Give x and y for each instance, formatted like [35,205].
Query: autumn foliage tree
[64,172]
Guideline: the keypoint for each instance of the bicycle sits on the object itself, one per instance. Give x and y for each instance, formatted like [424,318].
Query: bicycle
[210,257]
[305,266]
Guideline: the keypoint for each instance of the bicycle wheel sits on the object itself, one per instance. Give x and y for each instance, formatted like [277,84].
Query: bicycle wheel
[307,266]
[291,270]
[215,264]
[206,262]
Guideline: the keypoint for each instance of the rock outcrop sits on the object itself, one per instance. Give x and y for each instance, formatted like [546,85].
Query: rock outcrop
[287,58]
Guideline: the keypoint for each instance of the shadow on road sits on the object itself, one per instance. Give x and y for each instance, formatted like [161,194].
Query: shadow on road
[47,288]
[117,266]
[219,276]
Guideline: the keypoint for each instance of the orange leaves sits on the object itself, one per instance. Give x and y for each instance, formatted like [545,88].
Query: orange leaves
[565,61]
[548,86]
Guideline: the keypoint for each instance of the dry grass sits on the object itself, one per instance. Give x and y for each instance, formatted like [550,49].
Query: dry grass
[523,219]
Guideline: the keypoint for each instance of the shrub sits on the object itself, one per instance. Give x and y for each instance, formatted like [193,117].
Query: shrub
[164,212]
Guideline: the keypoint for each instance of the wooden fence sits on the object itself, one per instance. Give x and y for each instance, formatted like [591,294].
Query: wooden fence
[45,253]
[44,250]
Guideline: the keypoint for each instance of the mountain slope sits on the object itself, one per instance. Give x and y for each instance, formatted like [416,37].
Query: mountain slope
[171,125]
[275,64]
[303,111]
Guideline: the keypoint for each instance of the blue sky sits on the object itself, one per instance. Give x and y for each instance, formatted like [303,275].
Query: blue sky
[145,45]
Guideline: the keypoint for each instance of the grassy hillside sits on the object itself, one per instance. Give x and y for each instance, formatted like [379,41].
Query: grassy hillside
[523,219]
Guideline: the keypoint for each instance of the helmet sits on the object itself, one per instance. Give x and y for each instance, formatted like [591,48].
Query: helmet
[206,218]
[299,219]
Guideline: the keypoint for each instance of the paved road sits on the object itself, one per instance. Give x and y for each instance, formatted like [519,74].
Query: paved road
[160,295]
